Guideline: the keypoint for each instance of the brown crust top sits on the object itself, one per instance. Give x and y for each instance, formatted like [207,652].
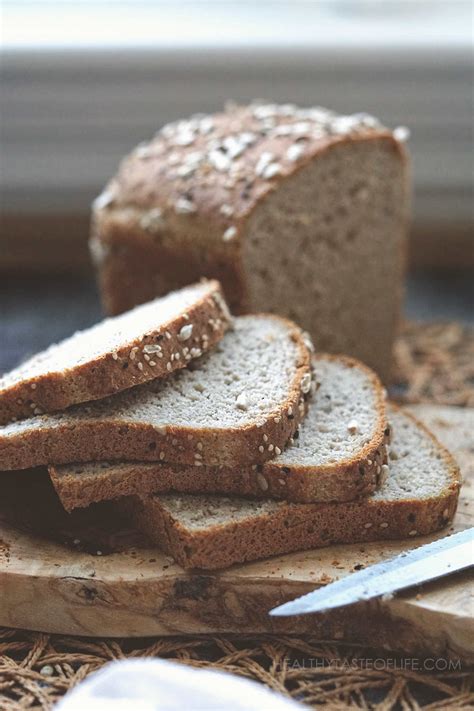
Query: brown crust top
[292,527]
[136,361]
[220,166]
[115,438]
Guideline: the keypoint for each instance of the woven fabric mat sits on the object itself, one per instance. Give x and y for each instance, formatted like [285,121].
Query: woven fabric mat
[434,363]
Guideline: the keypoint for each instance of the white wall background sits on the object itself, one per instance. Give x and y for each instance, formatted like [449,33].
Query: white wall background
[84,82]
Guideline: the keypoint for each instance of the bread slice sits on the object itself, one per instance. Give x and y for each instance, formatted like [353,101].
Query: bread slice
[419,497]
[271,200]
[117,353]
[237,405]
[339,453]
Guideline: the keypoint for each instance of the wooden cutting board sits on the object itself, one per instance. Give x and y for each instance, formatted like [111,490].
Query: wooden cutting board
[87,574]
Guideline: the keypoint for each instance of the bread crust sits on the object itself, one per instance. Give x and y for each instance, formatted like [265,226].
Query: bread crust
[119,439]
[344,480]
[121,368]
[293,527]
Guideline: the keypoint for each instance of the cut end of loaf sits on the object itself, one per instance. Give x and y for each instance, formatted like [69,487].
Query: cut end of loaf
[335,229]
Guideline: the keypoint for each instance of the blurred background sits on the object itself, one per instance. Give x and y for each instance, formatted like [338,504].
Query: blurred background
[83,82]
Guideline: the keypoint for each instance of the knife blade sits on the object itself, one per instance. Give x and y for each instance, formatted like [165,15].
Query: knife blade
[428,562]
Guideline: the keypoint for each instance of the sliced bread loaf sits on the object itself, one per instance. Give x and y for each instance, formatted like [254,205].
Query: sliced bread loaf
[420,496]
[268,199]
[117,353]
[237,405]
[338,455]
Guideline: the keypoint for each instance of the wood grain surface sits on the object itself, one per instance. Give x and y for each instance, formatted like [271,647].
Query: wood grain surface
[86,573]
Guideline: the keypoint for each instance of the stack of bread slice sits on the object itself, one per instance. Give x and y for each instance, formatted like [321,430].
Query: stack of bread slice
[225,440]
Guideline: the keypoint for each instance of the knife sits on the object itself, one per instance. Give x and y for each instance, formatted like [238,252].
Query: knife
[419,565]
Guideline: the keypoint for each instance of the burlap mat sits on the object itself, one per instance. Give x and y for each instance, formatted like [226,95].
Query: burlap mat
[434,363]
[38,669]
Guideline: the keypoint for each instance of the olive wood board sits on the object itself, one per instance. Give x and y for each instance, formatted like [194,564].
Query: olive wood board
[86,573]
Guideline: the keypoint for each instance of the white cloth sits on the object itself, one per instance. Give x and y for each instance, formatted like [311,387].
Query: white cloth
[159,685]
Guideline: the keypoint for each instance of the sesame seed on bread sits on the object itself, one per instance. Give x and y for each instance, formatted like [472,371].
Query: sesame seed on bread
[146,343]
[419,497]
[195,416]
[338,454]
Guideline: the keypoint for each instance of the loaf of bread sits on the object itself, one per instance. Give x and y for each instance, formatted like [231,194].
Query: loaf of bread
[299,212]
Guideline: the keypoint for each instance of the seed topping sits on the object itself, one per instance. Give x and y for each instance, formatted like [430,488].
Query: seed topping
[229,234]
[185,332]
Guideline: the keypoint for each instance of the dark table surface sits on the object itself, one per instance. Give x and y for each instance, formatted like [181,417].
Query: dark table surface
[38,311]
